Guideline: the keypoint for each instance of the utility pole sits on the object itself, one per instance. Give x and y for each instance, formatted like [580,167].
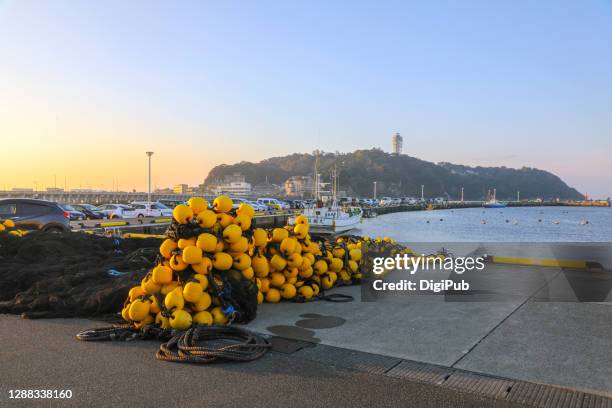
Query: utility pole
[461,194]
[422,192]
[149,195]
[375,190]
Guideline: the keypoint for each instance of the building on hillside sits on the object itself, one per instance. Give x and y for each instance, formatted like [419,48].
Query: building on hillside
[234,188]
[266,190]
[231,184]
[299,186]
[180,189]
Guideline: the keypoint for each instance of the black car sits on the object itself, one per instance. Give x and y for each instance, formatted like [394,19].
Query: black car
[73,214]
[91,211]
[32,214]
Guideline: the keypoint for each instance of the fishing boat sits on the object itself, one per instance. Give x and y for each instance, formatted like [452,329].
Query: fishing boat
[330,219]
[369,213]
[492,202]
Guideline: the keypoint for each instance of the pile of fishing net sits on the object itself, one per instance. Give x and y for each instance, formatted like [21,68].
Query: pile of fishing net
[69,274]
[214,267]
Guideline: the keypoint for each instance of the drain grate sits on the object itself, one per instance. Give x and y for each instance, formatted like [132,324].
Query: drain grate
[596,401]
[545,396]
[420,372]
[479,384]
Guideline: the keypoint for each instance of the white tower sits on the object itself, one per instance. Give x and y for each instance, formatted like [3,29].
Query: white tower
[397,142]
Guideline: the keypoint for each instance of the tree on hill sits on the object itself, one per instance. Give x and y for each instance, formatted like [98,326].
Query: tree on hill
[402,175]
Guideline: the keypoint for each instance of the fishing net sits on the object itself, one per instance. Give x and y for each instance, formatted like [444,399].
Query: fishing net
[71,274]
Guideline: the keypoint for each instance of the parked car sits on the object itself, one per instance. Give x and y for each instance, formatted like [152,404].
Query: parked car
[115,210]
[385,201]
[372,202]
[256,206]
[274,203]
[171,203]
[32,214]
[73,213]
[91,211]
[141,209]
[409,201]
[237,201]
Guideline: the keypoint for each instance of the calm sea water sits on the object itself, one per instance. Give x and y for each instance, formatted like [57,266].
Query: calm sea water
[517,224]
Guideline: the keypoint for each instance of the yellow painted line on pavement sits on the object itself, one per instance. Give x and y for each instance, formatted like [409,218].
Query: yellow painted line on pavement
[136,235]
[162,220]
[113,224]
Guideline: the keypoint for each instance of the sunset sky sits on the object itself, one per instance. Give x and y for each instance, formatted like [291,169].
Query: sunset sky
[87,87]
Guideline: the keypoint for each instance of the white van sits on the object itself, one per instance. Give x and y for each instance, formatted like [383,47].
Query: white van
[141,209]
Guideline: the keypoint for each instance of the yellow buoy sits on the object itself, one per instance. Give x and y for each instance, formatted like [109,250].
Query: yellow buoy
[223,204]
[182,214]
[197,204]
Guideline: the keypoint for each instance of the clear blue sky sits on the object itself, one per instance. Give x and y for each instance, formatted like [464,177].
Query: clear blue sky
[473,82]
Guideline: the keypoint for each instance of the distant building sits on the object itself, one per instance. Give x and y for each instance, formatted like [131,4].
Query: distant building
[234,184]
[299,186]
[266,190]
[22,190]
[397,141]
[180,189]
[240,188]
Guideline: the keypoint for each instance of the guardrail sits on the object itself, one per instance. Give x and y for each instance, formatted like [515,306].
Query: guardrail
[268,218]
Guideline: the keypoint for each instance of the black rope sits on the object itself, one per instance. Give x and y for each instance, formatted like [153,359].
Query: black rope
[124,332]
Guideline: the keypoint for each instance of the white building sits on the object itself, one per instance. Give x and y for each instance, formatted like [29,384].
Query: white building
[233,188]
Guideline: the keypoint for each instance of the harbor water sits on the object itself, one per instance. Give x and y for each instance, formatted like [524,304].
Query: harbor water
[512,224]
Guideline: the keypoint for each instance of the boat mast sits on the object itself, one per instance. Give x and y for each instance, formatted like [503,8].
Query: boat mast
[317,193]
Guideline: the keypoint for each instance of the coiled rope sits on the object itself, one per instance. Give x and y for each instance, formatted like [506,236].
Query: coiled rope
[243,345]
[221,343]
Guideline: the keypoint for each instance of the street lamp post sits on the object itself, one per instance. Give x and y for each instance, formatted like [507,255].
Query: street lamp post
[149,194]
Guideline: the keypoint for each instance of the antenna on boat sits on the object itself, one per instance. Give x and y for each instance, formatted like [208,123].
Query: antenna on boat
[317,193]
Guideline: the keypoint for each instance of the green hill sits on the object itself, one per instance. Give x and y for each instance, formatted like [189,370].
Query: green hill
[402,175]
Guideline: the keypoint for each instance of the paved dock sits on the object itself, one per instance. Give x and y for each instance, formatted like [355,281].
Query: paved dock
[44,354]
[522,352]
[528,337]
